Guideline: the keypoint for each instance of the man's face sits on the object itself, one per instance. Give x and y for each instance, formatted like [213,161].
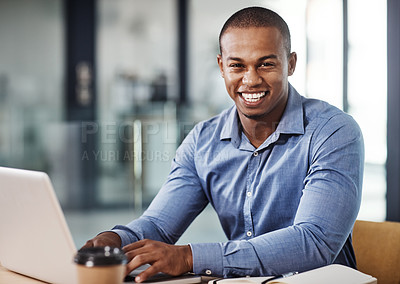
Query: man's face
[255,67]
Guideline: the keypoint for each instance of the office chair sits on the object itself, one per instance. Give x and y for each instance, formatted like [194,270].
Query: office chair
[377,249]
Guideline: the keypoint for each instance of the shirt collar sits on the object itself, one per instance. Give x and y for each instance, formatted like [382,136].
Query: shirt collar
[230,129]
[291,122]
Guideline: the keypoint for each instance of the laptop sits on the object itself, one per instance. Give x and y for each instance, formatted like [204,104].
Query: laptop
[34,237]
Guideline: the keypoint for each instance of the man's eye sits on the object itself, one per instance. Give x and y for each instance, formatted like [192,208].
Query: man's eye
[266,64]
[235,65]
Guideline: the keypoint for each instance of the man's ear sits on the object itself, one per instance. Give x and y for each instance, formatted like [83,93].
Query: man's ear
[292,63]
[220,64]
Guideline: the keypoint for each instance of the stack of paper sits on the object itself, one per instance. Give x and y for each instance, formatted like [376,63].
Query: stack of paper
[331,274]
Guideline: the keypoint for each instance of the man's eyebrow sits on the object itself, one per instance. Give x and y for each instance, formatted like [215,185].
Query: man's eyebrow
[230,58]
[270,56]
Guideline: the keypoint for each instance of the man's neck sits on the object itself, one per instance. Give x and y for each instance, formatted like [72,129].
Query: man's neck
[257,131]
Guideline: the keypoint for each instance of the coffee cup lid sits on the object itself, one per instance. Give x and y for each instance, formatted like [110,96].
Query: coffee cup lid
[98,256]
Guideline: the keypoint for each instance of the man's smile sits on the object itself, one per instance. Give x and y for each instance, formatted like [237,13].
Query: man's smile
[253,97]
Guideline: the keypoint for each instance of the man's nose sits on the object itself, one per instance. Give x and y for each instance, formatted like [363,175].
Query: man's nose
[251,77]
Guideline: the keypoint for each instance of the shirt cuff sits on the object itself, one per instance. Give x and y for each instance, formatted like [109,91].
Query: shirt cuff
[207,259]
[126,238]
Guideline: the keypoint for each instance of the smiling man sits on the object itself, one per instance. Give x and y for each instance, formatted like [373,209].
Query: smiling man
[283,172]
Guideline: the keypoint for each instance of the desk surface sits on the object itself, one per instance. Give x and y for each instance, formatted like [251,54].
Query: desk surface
[9,277]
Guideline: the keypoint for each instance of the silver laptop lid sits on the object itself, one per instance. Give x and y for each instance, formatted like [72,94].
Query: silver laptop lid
[34,236]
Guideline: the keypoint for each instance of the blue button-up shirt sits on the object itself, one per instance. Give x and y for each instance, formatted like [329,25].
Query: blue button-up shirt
[288,205]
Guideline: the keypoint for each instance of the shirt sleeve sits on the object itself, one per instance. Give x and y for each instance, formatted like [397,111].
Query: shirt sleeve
[176,205]
[324,219]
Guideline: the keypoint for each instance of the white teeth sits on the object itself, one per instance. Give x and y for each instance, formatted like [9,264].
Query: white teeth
[253,97]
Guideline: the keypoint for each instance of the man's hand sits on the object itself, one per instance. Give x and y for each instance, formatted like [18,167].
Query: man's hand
[170,259]
[104,239]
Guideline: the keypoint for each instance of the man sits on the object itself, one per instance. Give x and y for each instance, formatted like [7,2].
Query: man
[284,173]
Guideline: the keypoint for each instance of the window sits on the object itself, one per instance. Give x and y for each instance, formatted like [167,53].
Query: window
[367,96]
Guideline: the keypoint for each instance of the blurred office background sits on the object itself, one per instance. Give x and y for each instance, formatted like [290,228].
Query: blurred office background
[100,93]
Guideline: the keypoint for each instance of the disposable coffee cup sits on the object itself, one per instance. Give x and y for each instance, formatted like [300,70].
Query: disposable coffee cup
[100,265]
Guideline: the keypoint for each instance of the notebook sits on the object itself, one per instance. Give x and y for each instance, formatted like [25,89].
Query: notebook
[330,274]
[34,237]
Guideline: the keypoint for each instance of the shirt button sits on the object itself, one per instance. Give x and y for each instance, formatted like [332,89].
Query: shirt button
[249,194]
[255,154]
[249,234]
[208,272]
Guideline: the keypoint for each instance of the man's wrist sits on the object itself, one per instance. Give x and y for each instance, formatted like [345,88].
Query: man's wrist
[189,258]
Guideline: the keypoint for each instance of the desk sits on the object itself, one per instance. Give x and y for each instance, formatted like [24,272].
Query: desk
[9,277]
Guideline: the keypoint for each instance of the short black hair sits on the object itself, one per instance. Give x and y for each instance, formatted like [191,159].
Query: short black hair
[257,17]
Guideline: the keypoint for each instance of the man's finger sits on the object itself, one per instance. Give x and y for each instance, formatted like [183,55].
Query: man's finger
[143,276]
[140,260]
[130,254]
[104,239]
[135,245]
